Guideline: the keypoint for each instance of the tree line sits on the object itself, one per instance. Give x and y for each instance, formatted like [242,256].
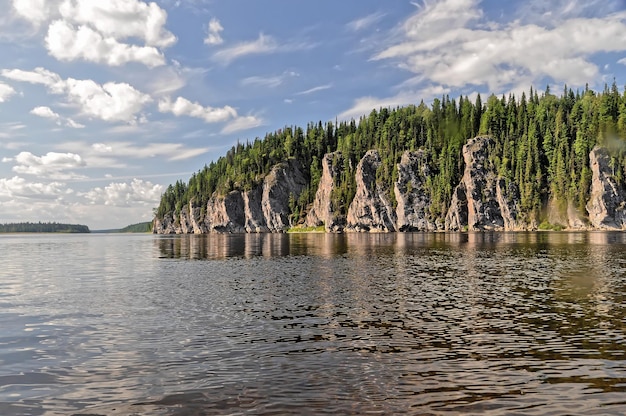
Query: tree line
[542,143]
[42,227]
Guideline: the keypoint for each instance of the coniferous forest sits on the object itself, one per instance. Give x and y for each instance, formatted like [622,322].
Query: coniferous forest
[42,227]
[542,143]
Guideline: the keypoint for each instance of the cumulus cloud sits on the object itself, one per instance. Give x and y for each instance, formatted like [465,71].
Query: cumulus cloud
[108,102]
[66,42]
[6,91]
[449,43]
[52,165]
[98,31]
[242,123]
[213,35]
[121,194]
[17,187]
[46,112]
[37,76]
[183,106]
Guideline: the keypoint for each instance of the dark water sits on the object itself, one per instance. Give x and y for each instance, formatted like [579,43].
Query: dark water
[426,324]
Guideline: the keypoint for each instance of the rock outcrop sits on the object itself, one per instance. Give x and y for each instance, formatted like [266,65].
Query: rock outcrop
[225,214]
[607,203]
[370,209]
[263,209]
[413,209]
[285,180]
[323,211]
[486,200]
[482,201]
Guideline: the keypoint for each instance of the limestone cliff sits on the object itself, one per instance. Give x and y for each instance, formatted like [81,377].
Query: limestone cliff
[413,209]
[607,203]
[285,180]
[371,209]
[483,201]
[263,209]
[323,212]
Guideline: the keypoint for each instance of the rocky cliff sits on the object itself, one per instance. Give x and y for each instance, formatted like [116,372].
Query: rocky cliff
[607,203]
[482,201]
[323,211]
[370,209]
[263,209]
[413,209]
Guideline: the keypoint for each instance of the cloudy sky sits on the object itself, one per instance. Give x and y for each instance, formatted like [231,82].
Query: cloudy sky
[105,103]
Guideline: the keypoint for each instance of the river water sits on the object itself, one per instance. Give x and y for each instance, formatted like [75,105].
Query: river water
[425,324]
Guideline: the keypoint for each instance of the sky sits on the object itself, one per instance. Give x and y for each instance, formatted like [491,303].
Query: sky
[103,104]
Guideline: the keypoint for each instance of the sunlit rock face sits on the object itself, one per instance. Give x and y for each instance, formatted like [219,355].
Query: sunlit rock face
[606,206]
[370,209]
[323,211]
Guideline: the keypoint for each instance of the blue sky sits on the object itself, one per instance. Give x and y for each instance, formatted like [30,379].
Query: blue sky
[103,104]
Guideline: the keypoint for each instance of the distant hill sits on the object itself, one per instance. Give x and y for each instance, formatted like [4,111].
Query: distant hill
[142,227]
[43,227]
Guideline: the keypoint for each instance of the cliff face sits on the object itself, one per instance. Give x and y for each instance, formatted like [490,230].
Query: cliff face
[606,206]
[323,212]
[263,209]
[371,209]
[413,209]
[482,201]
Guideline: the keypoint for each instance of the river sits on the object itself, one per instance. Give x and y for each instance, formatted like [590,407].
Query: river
[424,324]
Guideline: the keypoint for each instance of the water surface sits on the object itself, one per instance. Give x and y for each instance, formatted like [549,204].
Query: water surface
[439,324]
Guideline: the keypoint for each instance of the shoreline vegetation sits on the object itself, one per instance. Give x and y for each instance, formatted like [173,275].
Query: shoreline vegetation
[535,162]
[44,227]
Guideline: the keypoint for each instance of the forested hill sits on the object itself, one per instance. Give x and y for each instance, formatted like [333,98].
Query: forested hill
[541,143]
[43,227]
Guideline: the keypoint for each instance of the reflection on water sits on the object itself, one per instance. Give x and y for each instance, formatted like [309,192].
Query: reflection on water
[465,323]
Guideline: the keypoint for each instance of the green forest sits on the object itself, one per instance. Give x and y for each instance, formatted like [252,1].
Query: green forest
[542,143]
[42,227]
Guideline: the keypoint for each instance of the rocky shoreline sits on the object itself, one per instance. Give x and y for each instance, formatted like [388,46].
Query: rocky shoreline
[482,201]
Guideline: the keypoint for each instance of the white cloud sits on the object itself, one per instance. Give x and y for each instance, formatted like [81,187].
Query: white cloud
[213,35]
[96,31]
[6,91]
[17,187]
[68,43]
[183,106]
[108,102]
[622,61]
[51,165]
[108,154]
[263,45]
[46,112]
[36,11]
[270,82]
[364,22]
[137,192]
[448,43]
[242,123]
[121,19]
[37,76]
[315,89]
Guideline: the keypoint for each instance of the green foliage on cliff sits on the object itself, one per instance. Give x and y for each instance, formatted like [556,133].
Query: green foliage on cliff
[43,227]
[542,142]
